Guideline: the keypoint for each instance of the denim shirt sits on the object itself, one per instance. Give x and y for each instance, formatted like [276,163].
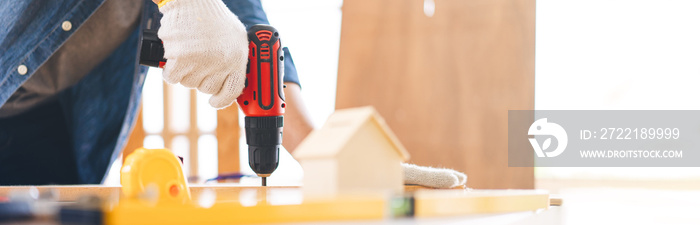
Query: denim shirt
[101,108]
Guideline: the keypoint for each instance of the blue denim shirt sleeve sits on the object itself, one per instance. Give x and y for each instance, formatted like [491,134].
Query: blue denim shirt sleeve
[30,40]
[100,110]
[31,32]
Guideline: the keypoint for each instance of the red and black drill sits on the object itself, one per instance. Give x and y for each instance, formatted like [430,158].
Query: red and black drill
[262,100]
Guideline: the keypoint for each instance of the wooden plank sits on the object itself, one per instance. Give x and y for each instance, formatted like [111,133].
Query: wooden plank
[555,200]
[193,135]
[229,198]
[228,136]
[167,134]
[444,83]
[68,193]
[136,137]
[431,203]
[265,206]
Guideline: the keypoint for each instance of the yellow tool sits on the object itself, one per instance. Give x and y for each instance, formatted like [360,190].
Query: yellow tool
[156,192]
[158,169]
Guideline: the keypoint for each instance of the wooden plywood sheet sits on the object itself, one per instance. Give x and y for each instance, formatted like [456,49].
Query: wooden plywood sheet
[431,203]
[444,83]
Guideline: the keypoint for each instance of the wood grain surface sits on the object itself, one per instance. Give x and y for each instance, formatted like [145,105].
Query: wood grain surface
[137,135]
[70,193]
[228,134]
[444,83]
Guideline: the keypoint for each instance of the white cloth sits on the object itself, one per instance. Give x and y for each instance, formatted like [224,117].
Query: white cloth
[206,46]
[432,177]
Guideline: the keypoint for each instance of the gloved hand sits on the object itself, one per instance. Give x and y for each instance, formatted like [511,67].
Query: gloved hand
[432,177]
[206,46]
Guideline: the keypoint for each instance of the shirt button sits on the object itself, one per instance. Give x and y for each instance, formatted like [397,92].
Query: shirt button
[66,25]
[22,69]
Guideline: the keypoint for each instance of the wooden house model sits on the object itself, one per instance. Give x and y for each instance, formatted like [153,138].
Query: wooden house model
[354,151]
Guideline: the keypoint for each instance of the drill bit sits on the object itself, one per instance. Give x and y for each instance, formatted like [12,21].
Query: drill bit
[264,181]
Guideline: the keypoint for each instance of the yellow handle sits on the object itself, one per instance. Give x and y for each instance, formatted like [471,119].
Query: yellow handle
[155,170]
[162,3]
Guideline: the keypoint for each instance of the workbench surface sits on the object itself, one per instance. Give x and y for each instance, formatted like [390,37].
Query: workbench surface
[424,203]
[580,206]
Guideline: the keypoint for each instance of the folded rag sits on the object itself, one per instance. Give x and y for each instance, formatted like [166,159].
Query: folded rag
[432,177]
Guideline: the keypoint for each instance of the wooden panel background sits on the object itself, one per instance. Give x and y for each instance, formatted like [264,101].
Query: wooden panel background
[136,137]
[228,134]
[443,83]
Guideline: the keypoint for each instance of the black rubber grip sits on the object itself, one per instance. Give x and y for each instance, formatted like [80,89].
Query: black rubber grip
[264,139]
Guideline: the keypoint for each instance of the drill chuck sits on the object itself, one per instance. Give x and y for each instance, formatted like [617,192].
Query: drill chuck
[264,139]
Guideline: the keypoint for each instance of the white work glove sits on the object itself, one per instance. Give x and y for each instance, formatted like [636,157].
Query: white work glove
[432,177]
[206,46]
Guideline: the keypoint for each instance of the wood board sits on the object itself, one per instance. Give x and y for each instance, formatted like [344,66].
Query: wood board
[70,193]
[444,83]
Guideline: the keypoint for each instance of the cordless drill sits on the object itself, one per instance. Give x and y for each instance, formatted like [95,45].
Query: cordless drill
[262,100]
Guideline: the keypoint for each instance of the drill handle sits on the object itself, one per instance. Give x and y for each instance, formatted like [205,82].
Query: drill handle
[152,50]
[263,94]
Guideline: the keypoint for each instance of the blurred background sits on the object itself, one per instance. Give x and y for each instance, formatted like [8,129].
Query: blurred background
[447,71]
[618,55]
